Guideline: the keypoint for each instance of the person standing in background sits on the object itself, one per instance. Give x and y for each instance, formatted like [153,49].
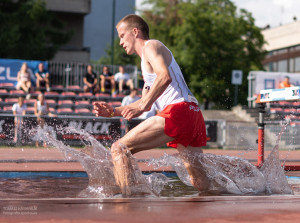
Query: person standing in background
[19,110]
[286,83]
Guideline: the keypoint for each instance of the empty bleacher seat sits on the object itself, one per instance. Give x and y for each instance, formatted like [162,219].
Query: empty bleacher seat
[119,95]
[83,104]
[85,95]
[10,101]
[51,103]
[64,111]
[74,88]
[288,111]
[3,93]
[17,93]
[35,93]
[285,104]
[68,96]
[276,110]
[30,110]
[52,110]
[30,102]
[7,109]
[296,104]
[7,86]
[83,111]
[115,103]
[65,103]
[102,96]
[51,95]
[58,88]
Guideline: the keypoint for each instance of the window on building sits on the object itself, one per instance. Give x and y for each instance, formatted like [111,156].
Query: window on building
[267,67]
[274,67]
[282,66]
[297,64]
[291,65]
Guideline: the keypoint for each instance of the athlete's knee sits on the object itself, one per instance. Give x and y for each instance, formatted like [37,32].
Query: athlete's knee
[117,149]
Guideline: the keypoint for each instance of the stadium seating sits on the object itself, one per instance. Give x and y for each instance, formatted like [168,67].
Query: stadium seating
[74,88]
[83,104]
[7,109]
[64,111]
[51,95]
[30,102]
[4,93]
[61,100]
[58,88]
[51,103]
[83,111]
[65,104]
[10,101]
[115,103]
[7,86]
[68,96]
[17,93]
[30,110]
[85,95]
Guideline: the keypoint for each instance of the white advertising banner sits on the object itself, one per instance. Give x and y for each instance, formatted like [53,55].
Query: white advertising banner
[271,80]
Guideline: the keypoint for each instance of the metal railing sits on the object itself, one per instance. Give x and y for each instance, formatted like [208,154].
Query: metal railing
[68,74]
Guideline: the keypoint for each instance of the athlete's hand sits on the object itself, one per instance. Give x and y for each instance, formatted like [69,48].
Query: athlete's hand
[103,109]
[130,111]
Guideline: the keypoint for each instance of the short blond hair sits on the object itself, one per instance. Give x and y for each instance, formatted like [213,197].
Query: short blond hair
[135,21]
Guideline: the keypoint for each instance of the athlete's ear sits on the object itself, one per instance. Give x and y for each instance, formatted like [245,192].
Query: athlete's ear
[135,32]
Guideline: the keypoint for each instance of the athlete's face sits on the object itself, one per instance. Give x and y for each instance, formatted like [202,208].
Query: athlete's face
[127,38]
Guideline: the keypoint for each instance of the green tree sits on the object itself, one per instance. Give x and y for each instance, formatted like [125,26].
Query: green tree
[209,39]
[120,56]
[29,31]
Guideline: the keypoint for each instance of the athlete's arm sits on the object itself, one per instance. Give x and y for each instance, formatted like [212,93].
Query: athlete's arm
[105,110]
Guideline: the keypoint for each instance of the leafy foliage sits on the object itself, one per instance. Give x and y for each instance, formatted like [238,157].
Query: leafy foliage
[29,31]
[209,39]
[120,56]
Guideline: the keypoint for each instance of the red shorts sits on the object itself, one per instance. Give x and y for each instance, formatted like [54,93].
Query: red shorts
[184,122]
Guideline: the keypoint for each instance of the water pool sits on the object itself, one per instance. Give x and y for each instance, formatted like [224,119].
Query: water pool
[70,184]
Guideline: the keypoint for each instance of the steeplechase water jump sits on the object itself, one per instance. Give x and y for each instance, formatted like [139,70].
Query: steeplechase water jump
[113,175]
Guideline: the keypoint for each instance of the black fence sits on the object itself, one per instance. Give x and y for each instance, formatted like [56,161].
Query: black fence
[105,130]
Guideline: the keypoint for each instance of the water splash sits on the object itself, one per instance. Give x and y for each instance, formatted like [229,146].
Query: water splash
[233,175]
[97,162]
[227,175]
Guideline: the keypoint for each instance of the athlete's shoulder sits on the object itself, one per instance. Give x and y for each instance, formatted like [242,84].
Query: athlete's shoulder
[154,46]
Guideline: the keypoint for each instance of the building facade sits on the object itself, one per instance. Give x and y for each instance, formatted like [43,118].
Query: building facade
[72,13]
[99,24]
[283,46]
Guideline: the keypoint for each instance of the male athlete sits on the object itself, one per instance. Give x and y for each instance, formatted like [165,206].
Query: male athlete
[180,123]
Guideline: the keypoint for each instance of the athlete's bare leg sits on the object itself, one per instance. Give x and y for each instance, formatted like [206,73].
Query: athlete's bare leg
[147,135]
[198,176]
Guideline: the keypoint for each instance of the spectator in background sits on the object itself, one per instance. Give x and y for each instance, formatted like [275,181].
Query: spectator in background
[132,97]
[107,80]
[90,80]
[41,109]
[286,83]
[24,81]
[123,79]
[42,78]
[19,110]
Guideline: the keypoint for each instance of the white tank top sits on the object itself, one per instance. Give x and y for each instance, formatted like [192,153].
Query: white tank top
[41,107]
[176,92]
